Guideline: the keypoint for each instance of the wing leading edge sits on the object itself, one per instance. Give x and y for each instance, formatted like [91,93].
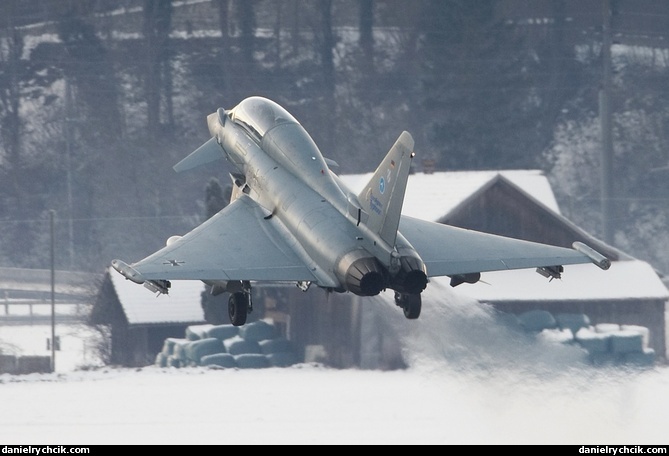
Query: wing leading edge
[449,251]
[238,243]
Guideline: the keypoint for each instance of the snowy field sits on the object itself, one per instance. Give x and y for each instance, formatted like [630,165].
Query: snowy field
[471,381]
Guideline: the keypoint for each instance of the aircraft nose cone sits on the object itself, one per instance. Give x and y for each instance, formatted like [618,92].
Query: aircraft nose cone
[213,124]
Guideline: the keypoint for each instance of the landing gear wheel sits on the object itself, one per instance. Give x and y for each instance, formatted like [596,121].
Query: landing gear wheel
[238,308]
[411,304]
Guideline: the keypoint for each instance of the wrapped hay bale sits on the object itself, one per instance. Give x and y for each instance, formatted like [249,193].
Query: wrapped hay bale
[257,331]
[196,349]
[239,346]
[161,360]
[626,342]
[645,332]
[252,361]
[225,360]
[603,359]
[572,321]
[222,332]
[561,336]
[607,327]
[197,332]
[172,361]
[283,359]
[179,351]
[645,358]
[509,320]
[277,345]
[169,343]
[592,341]
[537,320]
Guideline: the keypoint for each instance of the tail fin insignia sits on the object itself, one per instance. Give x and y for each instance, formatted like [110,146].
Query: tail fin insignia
[383,196]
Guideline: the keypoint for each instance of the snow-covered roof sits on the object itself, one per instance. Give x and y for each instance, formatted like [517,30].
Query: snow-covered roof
[181,305]
[623,280]
[431,196]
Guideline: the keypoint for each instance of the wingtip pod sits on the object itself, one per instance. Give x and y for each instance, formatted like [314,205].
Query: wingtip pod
[132,274]
[128,271]
[596,257]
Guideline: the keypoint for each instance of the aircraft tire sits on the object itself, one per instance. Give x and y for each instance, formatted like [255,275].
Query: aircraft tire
[238,307]
[412,305]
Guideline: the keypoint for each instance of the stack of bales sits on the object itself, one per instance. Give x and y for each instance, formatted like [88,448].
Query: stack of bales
[605,343]
[609,343]
[256,345]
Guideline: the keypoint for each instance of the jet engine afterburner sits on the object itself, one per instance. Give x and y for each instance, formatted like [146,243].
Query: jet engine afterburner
[361,273]
[411,277]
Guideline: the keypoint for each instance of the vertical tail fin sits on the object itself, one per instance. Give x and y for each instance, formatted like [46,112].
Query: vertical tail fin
[383,196]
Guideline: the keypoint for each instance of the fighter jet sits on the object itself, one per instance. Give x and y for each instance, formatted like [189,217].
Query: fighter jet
[291,219]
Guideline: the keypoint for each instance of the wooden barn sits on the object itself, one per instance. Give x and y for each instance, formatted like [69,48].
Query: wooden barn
[139,322]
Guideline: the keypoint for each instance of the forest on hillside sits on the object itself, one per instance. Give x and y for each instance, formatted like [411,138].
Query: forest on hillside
[99,99]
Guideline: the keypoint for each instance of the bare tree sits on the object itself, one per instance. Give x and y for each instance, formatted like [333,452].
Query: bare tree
[11,48]
[366,26]
[157,23]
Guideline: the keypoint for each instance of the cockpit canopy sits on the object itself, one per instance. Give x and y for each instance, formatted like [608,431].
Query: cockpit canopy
[260,115]
[279,135]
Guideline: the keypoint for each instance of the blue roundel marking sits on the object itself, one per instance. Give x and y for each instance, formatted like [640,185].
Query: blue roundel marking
[382,185]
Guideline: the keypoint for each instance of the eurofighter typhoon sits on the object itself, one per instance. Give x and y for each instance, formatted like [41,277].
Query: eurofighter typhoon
[291,219]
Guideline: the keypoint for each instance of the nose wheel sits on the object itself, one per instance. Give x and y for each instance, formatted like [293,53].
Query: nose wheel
[411,304]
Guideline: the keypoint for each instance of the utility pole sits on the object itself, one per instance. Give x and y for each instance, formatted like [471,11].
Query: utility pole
[68,171]
[53,293]
[605,118]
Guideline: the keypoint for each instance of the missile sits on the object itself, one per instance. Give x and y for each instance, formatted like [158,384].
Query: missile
[158,286]
[551,272]
[596,257]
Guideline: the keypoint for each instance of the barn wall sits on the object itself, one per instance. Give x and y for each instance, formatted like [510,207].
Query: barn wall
[328,320]
[120,345]
[138,347]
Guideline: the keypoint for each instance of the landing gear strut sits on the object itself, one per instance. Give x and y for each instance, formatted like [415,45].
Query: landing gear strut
[240,305]
[411,304]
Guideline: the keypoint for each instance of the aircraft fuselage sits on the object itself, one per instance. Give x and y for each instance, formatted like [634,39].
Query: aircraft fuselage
[287,175]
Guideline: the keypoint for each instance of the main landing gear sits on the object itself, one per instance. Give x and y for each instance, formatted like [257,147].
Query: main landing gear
[239,306]
[411,304]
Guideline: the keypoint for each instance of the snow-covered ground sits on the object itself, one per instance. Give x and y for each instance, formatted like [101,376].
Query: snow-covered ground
[471,381]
